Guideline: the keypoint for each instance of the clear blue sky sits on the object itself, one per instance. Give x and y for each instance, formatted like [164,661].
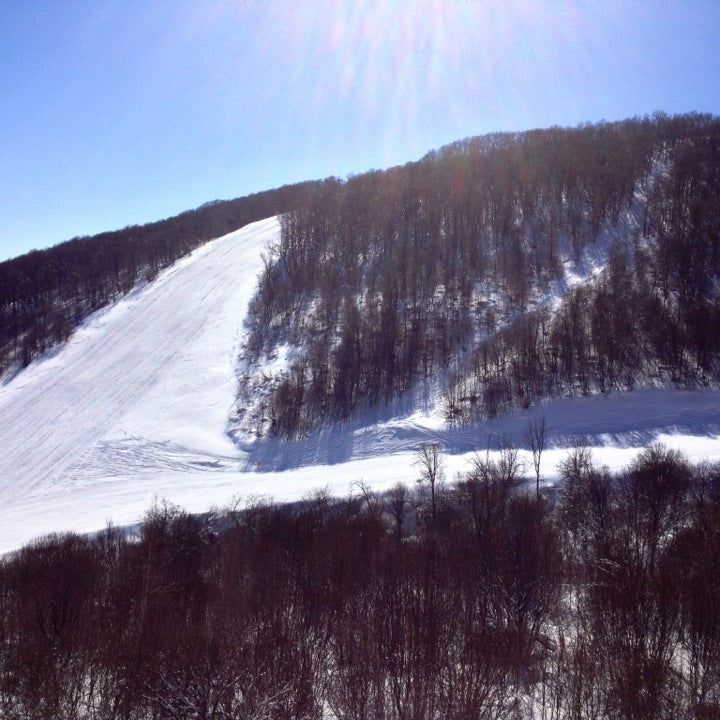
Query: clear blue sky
[120,112]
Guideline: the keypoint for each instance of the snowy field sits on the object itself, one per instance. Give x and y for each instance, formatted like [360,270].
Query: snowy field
[134,409]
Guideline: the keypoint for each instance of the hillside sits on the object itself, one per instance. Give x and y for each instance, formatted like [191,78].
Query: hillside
[137,407]
[495,273]
[342,376]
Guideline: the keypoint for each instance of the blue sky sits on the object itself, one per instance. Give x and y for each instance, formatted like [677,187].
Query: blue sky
[120,112]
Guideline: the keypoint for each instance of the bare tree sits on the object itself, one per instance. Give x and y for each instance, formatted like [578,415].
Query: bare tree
[372,503]
[509,467]
[398,502]
[430,461]
[535,436]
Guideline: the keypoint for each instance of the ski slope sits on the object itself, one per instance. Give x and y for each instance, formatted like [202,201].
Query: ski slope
[135,409]
[158,365]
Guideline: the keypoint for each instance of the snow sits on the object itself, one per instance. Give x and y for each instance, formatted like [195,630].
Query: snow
[594,256]
[156,368]
[615,420]
[136,407]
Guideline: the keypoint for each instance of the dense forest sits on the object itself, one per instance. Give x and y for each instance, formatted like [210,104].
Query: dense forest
[453,268]
[46,294]
[473,599]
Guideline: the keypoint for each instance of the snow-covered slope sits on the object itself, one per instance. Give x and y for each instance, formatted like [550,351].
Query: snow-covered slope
[157,367]
[135,408]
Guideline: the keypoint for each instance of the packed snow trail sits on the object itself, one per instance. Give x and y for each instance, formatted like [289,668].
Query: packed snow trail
[136,406]
[160,363]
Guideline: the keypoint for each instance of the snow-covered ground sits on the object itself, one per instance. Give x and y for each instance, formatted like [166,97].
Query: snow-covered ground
[135,408]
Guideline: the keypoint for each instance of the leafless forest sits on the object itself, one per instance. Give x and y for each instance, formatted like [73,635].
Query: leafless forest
[468,599]
[438,267]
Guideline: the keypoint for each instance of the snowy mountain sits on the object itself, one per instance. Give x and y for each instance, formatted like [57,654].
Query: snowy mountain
[136,407]
[158,397]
